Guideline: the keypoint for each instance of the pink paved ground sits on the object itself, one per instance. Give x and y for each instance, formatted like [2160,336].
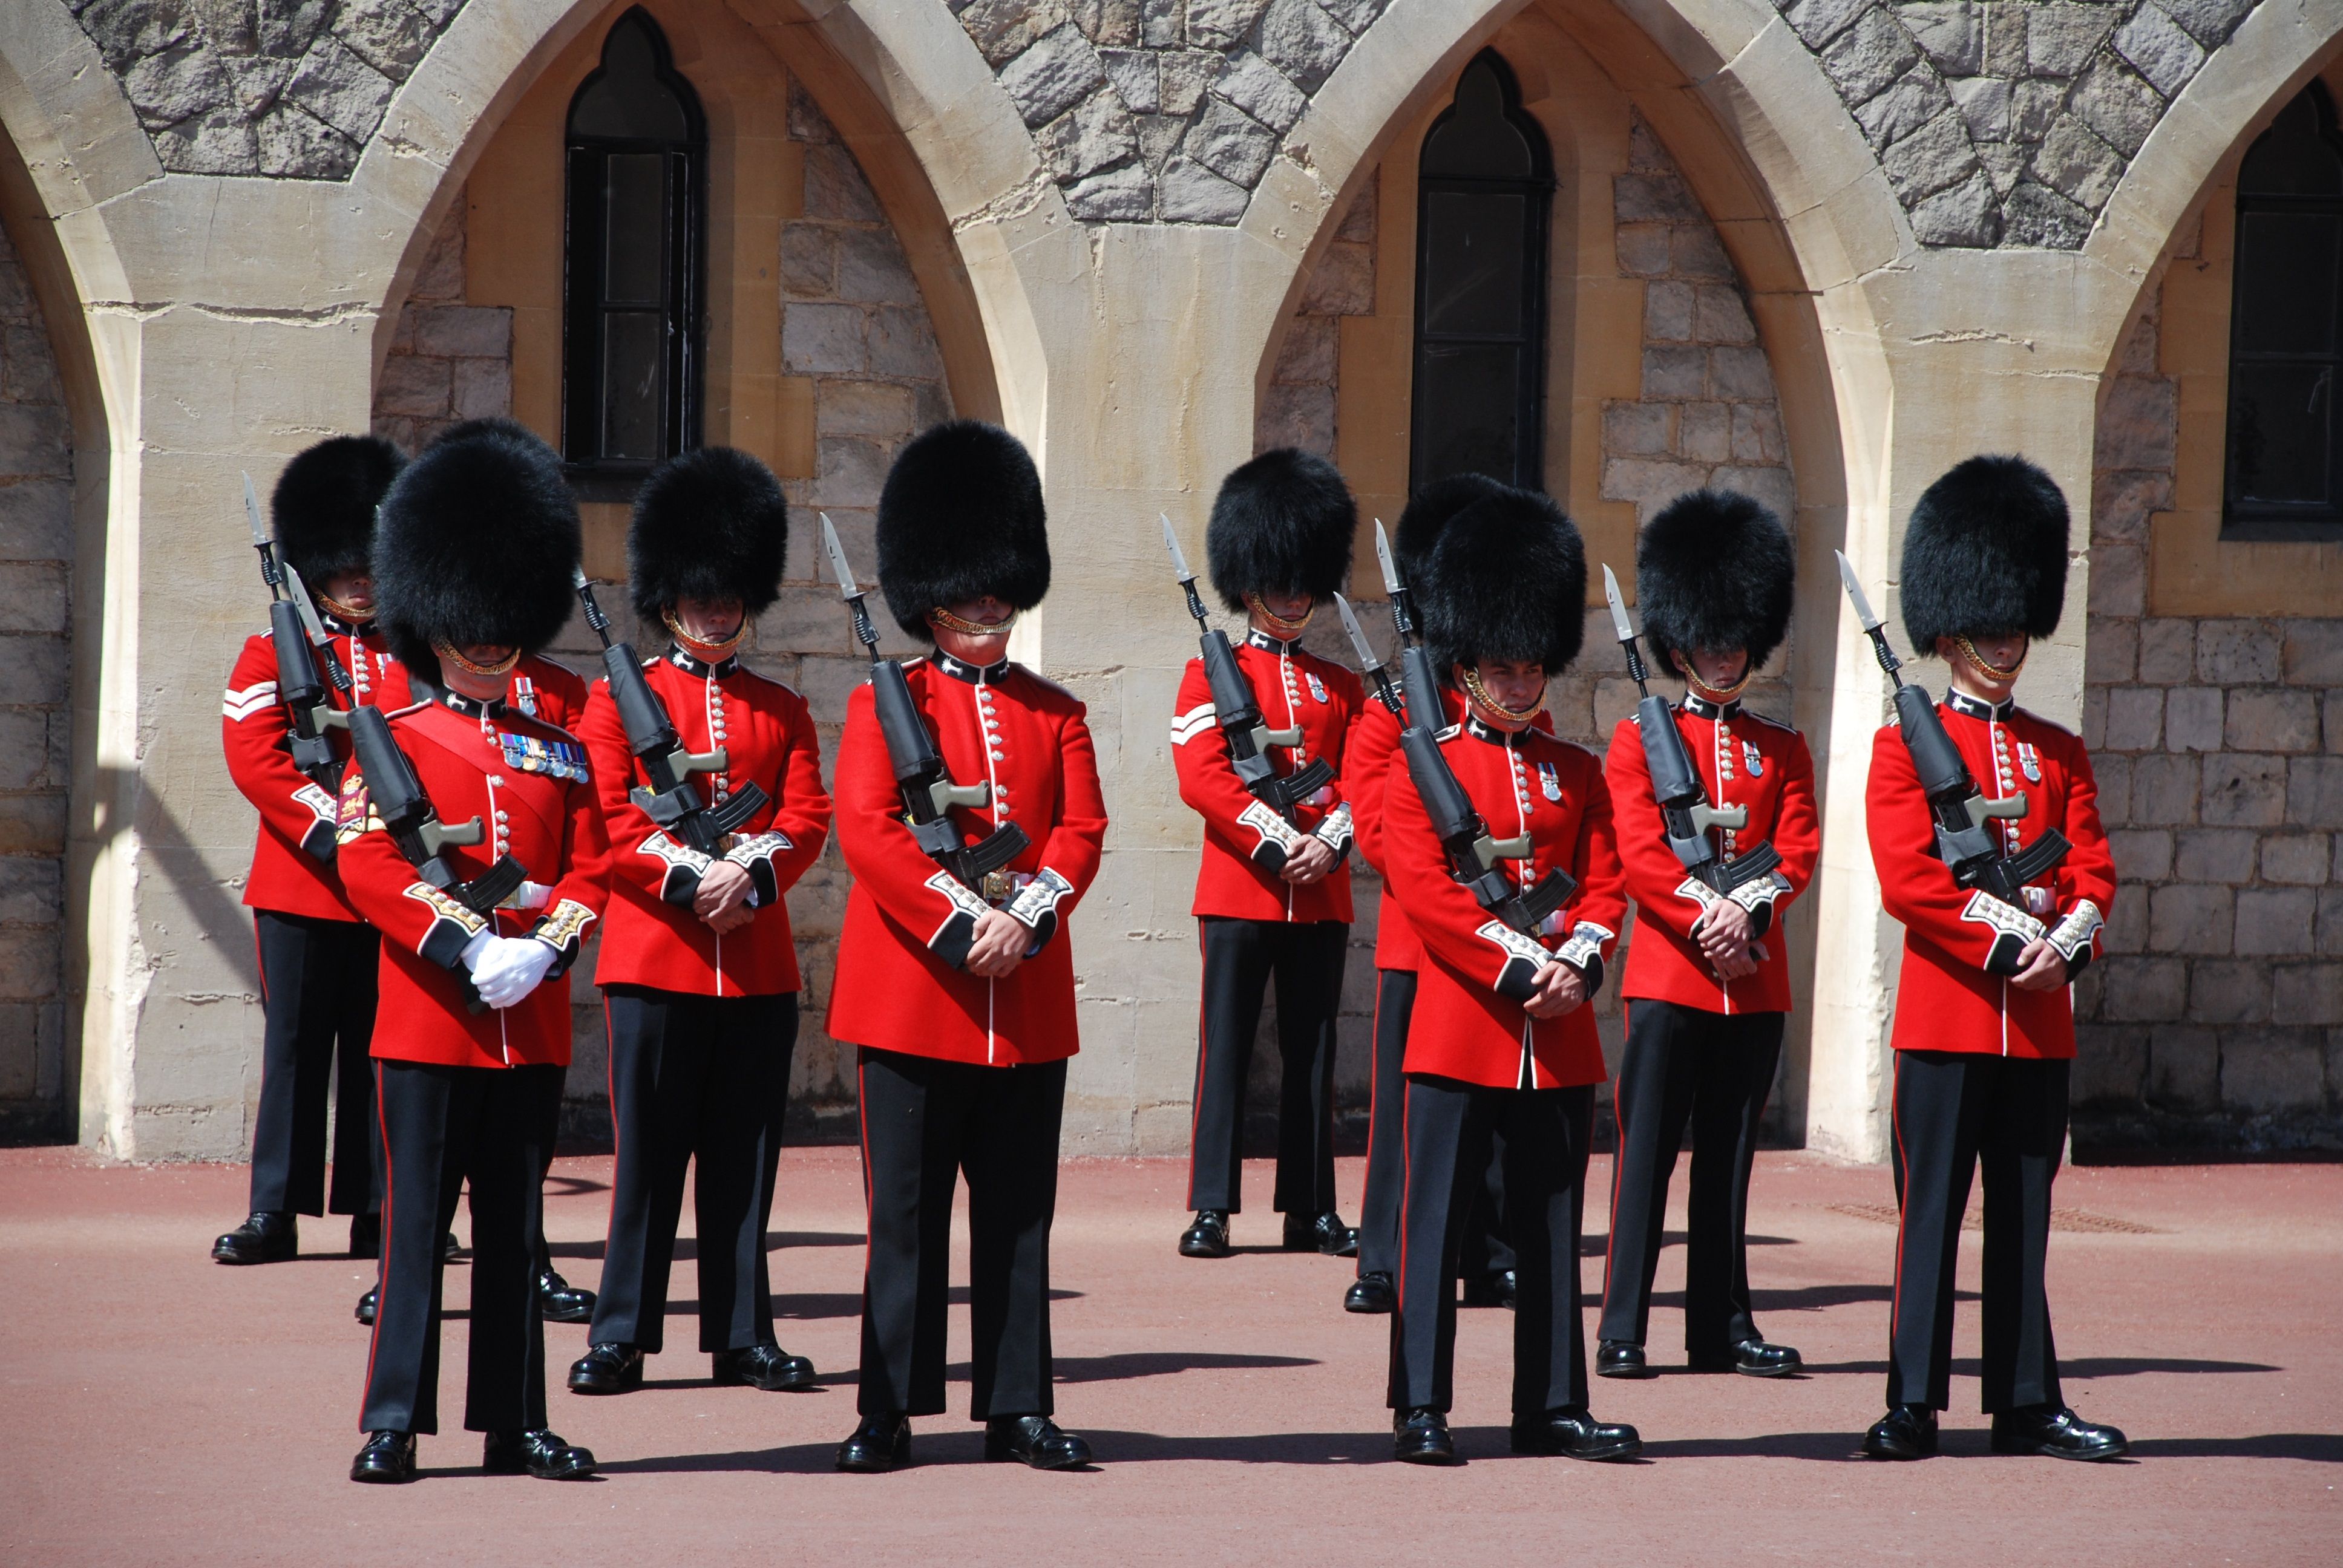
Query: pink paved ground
[155,1408]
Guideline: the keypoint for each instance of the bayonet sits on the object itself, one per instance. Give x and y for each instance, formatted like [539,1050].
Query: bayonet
[864,632]
[1374,665]
[261,541]
[1383,558]
[307,608]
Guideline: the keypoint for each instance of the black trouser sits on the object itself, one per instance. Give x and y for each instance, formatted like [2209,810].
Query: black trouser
[317,984]
[1953,1110]
[693,1077]
[1485,1250]
[1713,1069]
[441,1125]
[1241,958]
[924,1123]
[1449,1126]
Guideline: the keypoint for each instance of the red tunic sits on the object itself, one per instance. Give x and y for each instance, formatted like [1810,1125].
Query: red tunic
[1292,687]
[548,690]
[1374,742]
[1742,759]
[651,937]
[1468,1022]
[998,724]
[469,759]
[1959,944]
[293,870]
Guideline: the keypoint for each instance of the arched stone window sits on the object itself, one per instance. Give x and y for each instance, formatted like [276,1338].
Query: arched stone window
[2285,478]
[1485,191]
[635,261]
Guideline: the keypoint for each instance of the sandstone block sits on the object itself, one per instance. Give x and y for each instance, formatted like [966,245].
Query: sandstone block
[1354,15]
[2273,721]
[1757,434]
[341,89]
[835,188]
[1818,22]
[879,409]
[2245,790]
[442,275]
[2238,653]
[2116,102]
[1004,29]
[287,143]
[1936,157]
[30,957]
[479,389]
[1342,283]
[1310,351]
[2159,49]
[1984,103]
[2314,793]
[2095,710]
[2164,790]
[1675,373]
[2228,990]
[32,892]
[36,515]
[2110,651]
[2123,501]
[1302,41]
[807,122]
[1695,252]
[871,269]
[2309,993]
[2272,1072]
[1967,215]
[1668,312]
[2295,859]
[1741,373]
[2059,37]
[903,344]
[33,599]
[2167,650]
[24,747]
[1650,484]
[1187,74]
[1191,193]
[464,331]
[1297,415]
[1161,23]
[2119,585]
[2209,22]
[2216,855]
[1722,317]
[1359,218]
[2139,423]
[1248,82]
[34,824]
[1653,198]
[2313,654]
[2127,926]
[1056,73]
[2143,989]
[2134,718]
[1126,194]
[1137,78]
[388,36]
[1222,24]
[1638,429]
[2184,1067]
[1704,433]
[824,339]
[2276,920]
[1094,135]
[2142,854]
[2190,920]
[34,439]
[1863,60]
[2330,921]
[414,386]
[1910,101]
[2192,718]
[809,260]
[1951,33]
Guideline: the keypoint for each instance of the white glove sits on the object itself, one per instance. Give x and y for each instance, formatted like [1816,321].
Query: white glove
[509,969]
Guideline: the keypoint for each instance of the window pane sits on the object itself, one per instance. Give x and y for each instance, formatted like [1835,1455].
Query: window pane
[1472,262]
[2286,283]
[1477,140]
[2279,421]
[629,101]
[634,385]
[634,220]
[1465,398]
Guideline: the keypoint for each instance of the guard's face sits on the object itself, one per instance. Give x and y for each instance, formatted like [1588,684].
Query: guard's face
[711,621]
[1285,606]
[980,647]
[1518,685]
[2002,649]
[1717,671]
[353,590]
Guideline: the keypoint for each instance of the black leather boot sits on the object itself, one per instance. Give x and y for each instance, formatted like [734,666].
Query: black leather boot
[1370,1293]
[1034,1440]
[1572,1433]
[540,1452]
[1324,1234]
[2057,1432]
[1905,1432]
[560,1302]
[608,1368]
[1496,1290]
[387,1458]
[1208,1237]
[767,1367]
[369,1305]
[1751,1358]
[269,1236]
[1420,1436]
[1621,1358]
[880,1442]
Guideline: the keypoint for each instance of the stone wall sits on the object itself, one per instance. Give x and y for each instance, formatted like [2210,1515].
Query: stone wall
[447,360]
[35,567]
[2216,1019]
[1299,408]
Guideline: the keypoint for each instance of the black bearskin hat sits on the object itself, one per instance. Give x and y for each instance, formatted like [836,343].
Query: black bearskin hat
[1507,581]
[477,540]
[322,511]
[1283,523]
[1986,551]
[960,518]
[1713,571]
[1428,512]
[491,424]
[709,524]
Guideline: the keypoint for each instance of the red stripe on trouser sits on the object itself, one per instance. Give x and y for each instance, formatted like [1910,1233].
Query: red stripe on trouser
[1896,1122]
[1618,1142]
[610,1086]
[1406,1189]
[259,960]
[1203,1040]
[382,1266]
[1375,1082]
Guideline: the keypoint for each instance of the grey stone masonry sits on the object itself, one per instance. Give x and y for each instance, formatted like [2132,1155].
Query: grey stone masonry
[2217,1018]
[449,359]
[1301,407]
[1162,111]
[2009,123]
[36,567]
[291,89]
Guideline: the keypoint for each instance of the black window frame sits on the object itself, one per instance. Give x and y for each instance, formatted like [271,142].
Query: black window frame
[683,312]
[1537,189]
[2243,518]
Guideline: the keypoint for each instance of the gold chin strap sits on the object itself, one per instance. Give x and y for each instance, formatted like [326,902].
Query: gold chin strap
[340,611]
[485,671]
[1993,673]
[1720,695]
[950,622]
[1277,621]
[719,650]
[1480,694]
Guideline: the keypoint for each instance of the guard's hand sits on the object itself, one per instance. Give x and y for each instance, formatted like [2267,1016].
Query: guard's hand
[2040,967]
[1559,990]
[1736,965]
[1725,934]
[722,897]
[509,968]
[1309,863]
[999,945]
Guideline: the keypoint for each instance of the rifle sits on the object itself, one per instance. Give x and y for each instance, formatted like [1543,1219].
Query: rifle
[670,801]
[1238,712]
[1418,679]
[1968,846]
[1685,815]
[1472,854]
[396,795]
[298,686]
[929,793]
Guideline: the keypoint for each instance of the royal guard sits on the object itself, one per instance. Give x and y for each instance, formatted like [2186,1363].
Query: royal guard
[1985,1022]
[480,853]
[550,691]
[1502,1039]
[1707,986]
[1486,1262]
[1273,890]
[958,986]
[317,957]
[697,968]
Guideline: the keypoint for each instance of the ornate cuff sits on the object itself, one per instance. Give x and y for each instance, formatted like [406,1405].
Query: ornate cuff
[1758,896]
[1036,905]
[1336,833]
[318,838]
[685,867]
[564,930]
[1516,977]
[2076,936]
[755,855]
[1278,839]
[2012,929]
[951,940]
[453,927]
[1582,951]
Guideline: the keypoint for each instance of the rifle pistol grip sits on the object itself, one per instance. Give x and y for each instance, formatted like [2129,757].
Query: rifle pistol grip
[1492,851]
[2009,809]
[1263,737]
[945,794]
[1733,816]
[682,762]
[437,835]
[326,717]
